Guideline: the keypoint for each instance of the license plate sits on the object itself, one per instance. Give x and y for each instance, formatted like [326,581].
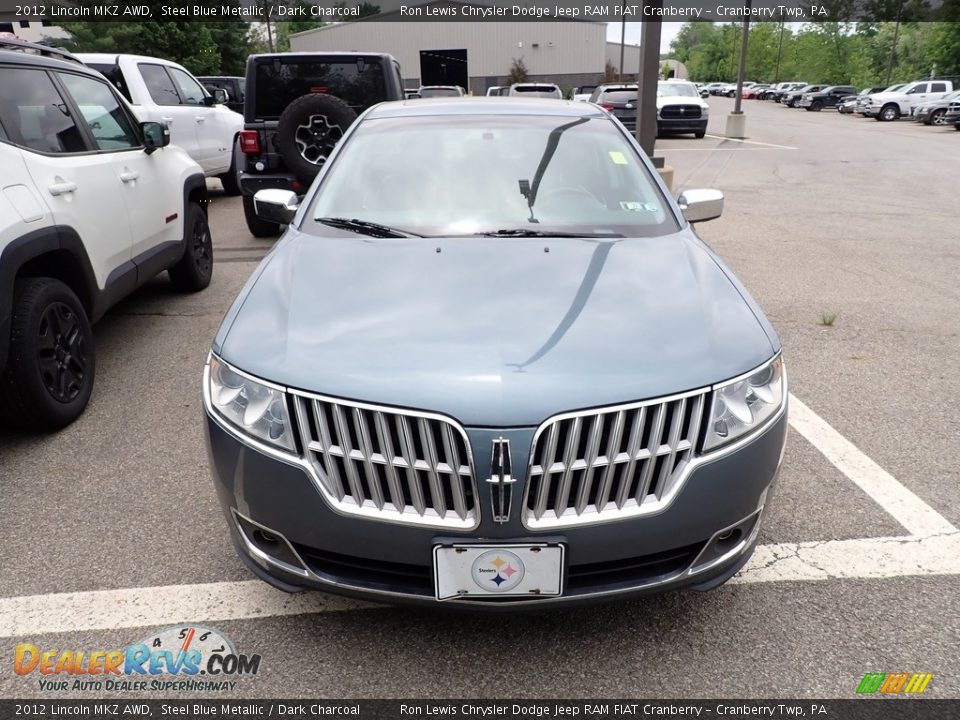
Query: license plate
[530,570]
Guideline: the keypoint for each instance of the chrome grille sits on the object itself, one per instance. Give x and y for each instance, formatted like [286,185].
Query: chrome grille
[388,464]
[610,463]
[676,112]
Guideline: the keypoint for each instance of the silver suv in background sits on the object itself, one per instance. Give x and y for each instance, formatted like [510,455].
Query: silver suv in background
[535,90]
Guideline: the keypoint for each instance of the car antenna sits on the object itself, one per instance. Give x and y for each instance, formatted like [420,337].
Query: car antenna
[528,189]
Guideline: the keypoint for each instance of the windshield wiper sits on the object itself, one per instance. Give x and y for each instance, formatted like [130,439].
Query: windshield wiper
[524,232]
[364,227]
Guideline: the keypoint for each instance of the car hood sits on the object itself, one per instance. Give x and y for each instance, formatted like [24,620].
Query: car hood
[492,331]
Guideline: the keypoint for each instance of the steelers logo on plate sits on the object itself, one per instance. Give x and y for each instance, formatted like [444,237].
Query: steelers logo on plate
[497,571]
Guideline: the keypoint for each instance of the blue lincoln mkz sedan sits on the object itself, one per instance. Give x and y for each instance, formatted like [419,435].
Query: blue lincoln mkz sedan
[491,365]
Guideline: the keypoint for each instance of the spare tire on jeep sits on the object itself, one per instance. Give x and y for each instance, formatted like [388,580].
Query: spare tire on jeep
[308,130]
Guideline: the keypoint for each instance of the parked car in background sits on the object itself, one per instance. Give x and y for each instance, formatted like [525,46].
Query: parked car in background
[536,90]
[540,471]
[864,99]
[952,116]
[714,88]
[779,95]
[582,93]
[95,204]
[731,90]
[791,98]
[411,94]
[298,107]
[233,86]
[165,92]
[935,112]
[753,92]
[618,99]
[848,103]
[680,109]
[892,105]
[432,91]
[828,97]
[497,90]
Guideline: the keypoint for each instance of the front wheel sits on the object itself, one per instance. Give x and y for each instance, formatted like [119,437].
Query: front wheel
[700,134]
[258,227]
[889,113]
[816,106]
[195,269]
[49,375]
[938,117]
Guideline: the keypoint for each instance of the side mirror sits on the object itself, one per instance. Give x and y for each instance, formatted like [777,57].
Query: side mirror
[276,205]
[218,96]
[155,136]
[700,205]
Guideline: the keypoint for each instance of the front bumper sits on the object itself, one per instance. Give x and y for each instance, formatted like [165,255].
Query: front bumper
[681,125]
[310,545]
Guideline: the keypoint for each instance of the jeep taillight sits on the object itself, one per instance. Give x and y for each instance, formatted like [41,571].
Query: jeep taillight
[250,142]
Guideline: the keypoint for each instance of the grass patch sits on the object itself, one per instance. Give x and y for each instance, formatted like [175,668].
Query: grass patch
[827,319]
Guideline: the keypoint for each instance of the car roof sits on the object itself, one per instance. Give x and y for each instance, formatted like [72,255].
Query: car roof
[318,54]
[15,57]
[111,58]
[485,106]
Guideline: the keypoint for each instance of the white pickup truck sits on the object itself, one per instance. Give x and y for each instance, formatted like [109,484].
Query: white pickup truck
[889,106]
[165,92]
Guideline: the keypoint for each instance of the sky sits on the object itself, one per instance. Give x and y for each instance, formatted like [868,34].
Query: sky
[668,32]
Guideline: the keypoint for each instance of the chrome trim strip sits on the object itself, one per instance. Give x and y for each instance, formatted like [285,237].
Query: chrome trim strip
[253,550]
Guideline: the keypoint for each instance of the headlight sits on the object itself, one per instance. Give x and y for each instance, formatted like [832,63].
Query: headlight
[705,110]
[743,405]
[252,407]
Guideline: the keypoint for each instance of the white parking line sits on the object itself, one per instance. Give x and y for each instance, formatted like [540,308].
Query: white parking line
[752,142]
[914,514]
[932,548]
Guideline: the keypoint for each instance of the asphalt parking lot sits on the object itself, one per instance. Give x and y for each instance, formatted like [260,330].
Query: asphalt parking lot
[113,528]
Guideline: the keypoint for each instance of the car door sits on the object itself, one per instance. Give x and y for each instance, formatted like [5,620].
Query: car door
[152,202]
[173,113]
[215,124]
[79,184]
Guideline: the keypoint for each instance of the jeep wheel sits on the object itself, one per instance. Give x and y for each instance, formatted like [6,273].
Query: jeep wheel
[889,113]
[195,268]
[309,129]
[257,227]
[49,374]
[231,178]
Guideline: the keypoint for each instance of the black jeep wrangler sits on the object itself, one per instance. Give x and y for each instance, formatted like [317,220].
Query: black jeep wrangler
[297,106]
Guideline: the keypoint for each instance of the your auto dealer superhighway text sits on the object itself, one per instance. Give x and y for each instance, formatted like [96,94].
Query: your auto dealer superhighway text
[606,709]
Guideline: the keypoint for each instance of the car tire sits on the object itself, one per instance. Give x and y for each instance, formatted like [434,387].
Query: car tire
[308,130]
[231,178]
[195,269]
[889,113]
[50,371]
[700,134]
[258,228]
[816,106]
[937,117]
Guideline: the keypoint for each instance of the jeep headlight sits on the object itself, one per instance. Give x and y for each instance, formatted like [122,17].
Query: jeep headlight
[742,405]
[254,408]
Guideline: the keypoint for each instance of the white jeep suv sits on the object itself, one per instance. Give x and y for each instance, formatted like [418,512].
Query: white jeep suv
[92,205]
[165,92]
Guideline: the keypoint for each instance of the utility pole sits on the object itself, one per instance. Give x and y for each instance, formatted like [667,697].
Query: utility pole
[647,80]
[776,77]
[736,121]
[623,36]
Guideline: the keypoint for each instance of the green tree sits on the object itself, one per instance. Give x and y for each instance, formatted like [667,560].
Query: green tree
[518,72]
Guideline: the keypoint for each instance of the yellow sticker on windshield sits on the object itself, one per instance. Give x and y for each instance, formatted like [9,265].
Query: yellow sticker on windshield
[618,157]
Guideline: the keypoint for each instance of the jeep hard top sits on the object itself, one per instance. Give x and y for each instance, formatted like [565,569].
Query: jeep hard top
[297,106]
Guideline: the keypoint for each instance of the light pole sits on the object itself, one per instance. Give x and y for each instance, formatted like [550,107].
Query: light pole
[736,121]
[623,36]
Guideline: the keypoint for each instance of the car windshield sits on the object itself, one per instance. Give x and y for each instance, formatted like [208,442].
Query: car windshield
[454,176]
[676,90]
[429,92]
